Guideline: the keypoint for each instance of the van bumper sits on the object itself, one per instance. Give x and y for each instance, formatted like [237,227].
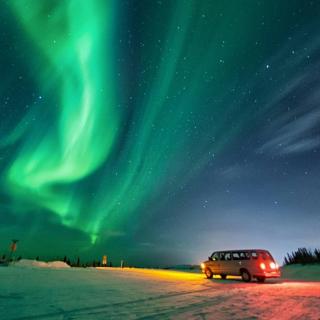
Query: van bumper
[266,274]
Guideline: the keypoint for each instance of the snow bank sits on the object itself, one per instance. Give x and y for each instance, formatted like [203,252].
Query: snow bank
[301,272]
[40,264]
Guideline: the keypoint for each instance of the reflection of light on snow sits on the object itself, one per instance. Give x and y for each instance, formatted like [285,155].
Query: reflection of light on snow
[299,284]
[167,274]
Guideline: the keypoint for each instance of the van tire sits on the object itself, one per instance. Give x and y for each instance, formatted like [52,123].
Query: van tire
[245,275]
[223,276]
[208,273]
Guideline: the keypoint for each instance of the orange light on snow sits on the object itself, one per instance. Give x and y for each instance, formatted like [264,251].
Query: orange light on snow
[158,273]
[262,266]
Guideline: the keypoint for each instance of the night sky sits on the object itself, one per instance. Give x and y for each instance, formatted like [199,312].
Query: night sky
[159,131]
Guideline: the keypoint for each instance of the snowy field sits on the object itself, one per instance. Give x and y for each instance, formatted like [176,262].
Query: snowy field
[53,292]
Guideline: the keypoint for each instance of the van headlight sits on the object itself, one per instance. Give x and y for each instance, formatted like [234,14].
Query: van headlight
[202,265]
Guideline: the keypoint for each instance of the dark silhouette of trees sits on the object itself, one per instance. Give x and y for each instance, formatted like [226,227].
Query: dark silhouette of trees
[302,256]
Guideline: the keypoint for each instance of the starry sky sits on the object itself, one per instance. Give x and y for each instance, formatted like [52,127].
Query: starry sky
[159,131]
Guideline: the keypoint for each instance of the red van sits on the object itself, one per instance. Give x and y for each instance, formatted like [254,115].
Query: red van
[249,264]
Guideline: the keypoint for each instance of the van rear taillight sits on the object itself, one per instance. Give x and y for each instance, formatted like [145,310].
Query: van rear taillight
[262,266]
[273,265]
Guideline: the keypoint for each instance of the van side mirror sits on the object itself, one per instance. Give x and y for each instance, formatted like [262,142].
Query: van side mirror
[209,258]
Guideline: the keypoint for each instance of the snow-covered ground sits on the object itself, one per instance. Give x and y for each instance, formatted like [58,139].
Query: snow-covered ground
[31,290]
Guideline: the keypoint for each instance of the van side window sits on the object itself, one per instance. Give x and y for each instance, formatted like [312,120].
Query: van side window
[235,256]
[222,256]
[228,256]
[254,255]
[215,256]
[244,255]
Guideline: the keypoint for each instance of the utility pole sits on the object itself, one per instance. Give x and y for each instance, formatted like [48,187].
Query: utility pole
[13,248]
[104,261]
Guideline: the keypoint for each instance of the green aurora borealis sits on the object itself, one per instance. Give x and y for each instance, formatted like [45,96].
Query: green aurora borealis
[121,105]
[85,128]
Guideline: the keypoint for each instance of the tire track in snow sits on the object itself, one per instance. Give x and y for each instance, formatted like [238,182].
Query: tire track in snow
[105,307]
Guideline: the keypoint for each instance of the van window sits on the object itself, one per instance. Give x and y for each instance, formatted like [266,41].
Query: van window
[254,255]
[222,256]
[235,256]
[215,256]
[228,256]
[244,255]
[265,255]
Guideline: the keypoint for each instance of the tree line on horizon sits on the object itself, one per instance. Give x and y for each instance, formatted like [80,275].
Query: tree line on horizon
[94,263]
[302,256]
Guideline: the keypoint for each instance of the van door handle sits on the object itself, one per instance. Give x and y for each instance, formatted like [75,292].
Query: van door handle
[239,262]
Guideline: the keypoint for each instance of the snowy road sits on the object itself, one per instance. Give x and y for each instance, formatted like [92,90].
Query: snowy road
[38,293]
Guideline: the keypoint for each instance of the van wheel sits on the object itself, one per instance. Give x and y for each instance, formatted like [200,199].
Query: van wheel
[208,273]
[246,276]
[223,276]
[261,279]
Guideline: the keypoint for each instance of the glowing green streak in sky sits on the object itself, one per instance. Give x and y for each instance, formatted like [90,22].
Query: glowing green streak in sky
[75,38]
[165,142]
[143,174]
[181,116]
